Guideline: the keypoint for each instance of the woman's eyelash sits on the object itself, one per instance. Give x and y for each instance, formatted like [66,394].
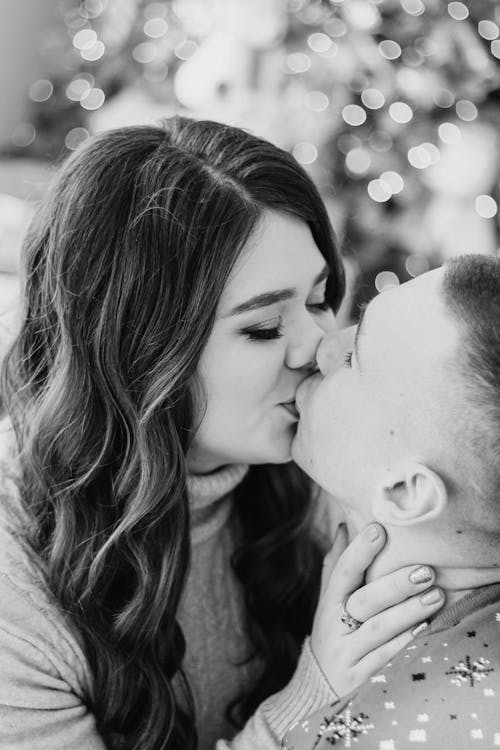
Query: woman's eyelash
[264,334]
[348,359]
[324,305]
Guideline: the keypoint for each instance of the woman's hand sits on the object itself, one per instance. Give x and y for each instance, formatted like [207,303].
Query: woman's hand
[389,609]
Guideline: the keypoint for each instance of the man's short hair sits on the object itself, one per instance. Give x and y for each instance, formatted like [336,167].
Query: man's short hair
[471,289]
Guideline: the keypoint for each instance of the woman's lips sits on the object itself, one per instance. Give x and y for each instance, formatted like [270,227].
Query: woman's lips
[291,409]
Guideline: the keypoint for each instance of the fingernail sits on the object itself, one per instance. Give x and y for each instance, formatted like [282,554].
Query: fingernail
[421,575]
[373,532]
[432,597]
[420,628]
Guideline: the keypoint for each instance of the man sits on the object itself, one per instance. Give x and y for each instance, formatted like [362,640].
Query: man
[407,433]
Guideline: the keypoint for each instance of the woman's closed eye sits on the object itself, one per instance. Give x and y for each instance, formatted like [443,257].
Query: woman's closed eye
[321,306]
[264,332]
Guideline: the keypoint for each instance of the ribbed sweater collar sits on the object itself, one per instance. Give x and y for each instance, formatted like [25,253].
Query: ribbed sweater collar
[471,602]
[210,499]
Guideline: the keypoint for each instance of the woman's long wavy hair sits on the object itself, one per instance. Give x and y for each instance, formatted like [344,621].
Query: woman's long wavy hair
[124,265]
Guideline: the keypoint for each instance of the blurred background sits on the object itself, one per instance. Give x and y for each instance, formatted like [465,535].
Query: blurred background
[393,106]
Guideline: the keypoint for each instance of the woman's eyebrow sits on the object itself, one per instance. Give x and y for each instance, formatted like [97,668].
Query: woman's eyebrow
[271,298]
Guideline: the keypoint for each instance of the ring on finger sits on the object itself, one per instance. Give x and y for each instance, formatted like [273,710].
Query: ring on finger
[346,618]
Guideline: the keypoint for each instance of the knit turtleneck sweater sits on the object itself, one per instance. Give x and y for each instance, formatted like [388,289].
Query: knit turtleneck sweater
[212,609]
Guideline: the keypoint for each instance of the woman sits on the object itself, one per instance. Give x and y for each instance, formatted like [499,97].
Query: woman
[178,281]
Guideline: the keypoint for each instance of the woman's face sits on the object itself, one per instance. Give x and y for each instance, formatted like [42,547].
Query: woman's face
[270,319]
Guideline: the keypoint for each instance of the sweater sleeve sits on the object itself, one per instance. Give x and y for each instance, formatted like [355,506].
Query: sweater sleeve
[42,703]
[306,692]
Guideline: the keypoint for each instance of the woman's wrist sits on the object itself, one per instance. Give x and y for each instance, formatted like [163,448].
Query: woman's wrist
[306,692]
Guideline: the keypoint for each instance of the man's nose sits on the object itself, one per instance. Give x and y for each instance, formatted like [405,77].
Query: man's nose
[333,349]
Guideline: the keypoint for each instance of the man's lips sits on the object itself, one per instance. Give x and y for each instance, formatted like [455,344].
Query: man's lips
[304,389]
[291,408]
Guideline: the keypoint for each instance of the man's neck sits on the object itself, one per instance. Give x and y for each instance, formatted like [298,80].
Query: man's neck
[456,580]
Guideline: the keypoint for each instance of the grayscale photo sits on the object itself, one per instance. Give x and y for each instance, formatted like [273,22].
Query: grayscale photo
[249,374]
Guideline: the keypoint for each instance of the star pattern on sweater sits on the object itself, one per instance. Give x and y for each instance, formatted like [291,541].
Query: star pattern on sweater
[468,672]
[343,728]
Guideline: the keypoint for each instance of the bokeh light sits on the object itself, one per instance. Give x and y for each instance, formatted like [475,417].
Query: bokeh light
[393,180]
[486,206]
[386,280]
[466,110]
[74,137]
[413,7]
[298,62]
[354,115]
[373,98]
[155,27]
[93,99]
[389,49]
[145,52]
[41,90]
[379,191]
[488,30]
[317,101]
[319,43]
[416,264]
[23,134]
[305,153]
[458,11]
[84,39]
[358,161]
[449,133]
[401,112]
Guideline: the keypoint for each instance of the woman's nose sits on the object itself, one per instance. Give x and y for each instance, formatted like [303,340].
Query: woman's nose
[301,351]
[333,349]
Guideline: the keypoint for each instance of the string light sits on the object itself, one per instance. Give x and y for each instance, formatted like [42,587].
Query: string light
[320,43]
[443,98]
[416,264]
[486,206]
[458,11]
[353,115]
[335,27]
[95,52]
[84,39]
[393,180]
[23,134]
[78,88]
[386,280]
[185,49]
[298,62]
[358,161]
[93,99]
[495,48]
[373,98]
[155,27]
[74,137]
[317,101]
[400,112]
[389,49]
[413,7]
[145,52]
[488,30]
[449,133]
[379,191]
[305,153]
[380,141]
[41,90]
[155,10]
[466,110]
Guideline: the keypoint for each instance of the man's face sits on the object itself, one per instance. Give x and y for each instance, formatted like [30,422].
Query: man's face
[388,403]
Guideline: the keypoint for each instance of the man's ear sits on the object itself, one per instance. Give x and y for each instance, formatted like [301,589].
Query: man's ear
[414,495]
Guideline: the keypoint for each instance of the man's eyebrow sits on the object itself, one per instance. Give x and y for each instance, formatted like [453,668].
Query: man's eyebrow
[271,298]
[359,330]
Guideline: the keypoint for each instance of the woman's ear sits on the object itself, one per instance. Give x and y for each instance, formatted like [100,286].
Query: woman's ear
[415,495]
